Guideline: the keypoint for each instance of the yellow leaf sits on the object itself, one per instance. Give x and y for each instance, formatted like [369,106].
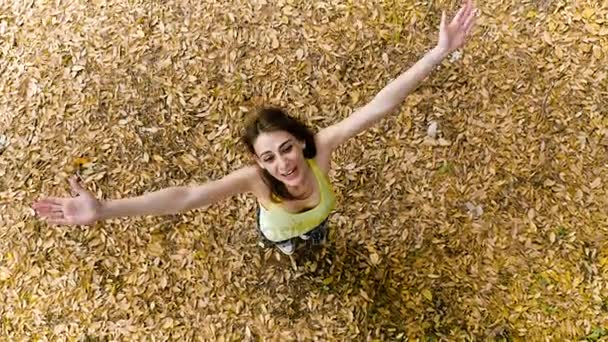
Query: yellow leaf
[547,38]
[5,273]
[588,13]
[162,283]
[300,53]
[155,249]
[168,323]
[80,161]
[597,52]
[375,259]
[32,88]
[533,227]
[275,42]
[355,97]
[427,294]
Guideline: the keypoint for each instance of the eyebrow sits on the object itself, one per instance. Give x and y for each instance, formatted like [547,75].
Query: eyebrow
[281,146]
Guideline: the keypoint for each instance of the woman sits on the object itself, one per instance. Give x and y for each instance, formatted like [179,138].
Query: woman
[289,176]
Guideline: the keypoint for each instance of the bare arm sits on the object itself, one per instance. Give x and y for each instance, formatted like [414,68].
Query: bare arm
[385,102]
[85,208]
[180,198]
[451,37]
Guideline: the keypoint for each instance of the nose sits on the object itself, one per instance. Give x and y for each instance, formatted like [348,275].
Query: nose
[282,163]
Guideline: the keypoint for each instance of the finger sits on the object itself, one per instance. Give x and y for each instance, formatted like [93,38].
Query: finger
[470,12]
[46,203]
[50,200]
[43,213]
[46,206]
[54,215]
[48,210]
[58,221]
[468,25]
[470,8]
[42,205]
[49,216]
[458,17]
[76,187]
[443,21]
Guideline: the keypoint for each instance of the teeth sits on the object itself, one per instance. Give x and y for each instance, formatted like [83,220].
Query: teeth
[288,173]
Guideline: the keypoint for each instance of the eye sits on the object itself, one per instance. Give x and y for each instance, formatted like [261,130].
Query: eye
[287,148]
[267,159]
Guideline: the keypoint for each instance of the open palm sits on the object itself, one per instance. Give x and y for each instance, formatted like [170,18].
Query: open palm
[453,35]
[81,209]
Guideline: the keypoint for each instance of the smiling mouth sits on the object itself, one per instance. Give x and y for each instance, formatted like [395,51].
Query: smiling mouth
[286,174]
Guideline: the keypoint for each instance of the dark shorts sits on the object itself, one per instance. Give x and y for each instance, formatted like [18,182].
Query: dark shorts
[316,236]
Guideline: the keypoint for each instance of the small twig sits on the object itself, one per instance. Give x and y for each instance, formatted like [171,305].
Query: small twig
[544,107]
[428,9]
[29,140]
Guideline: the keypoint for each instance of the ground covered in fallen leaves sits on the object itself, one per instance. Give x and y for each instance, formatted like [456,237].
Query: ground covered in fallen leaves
[494,229]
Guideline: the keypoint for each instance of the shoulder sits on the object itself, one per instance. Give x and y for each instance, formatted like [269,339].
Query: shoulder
[325,141]
[251,177]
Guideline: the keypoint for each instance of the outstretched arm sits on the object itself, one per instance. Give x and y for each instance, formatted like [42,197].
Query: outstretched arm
[180,198]
[451,37]
[85,208]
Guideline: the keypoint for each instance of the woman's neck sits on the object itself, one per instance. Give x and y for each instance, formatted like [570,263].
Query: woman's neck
[304,190]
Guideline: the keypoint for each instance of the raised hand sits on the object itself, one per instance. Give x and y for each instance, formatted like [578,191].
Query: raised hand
[82,209]
[452,36]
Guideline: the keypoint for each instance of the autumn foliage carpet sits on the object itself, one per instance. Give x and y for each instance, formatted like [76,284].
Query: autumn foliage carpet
[494,230]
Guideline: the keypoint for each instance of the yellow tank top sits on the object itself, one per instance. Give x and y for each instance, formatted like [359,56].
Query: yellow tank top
[278,224]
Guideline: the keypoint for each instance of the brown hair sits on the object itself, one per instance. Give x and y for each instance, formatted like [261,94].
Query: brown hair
[269,119]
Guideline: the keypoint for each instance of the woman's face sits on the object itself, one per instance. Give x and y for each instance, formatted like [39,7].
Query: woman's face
[281,154]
